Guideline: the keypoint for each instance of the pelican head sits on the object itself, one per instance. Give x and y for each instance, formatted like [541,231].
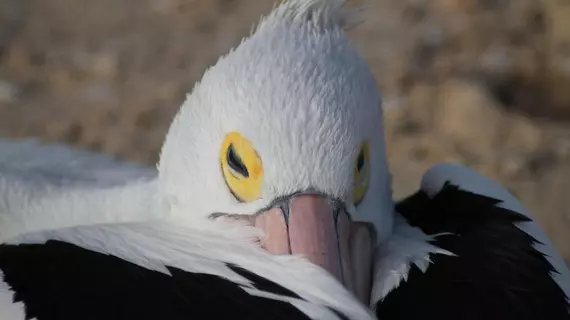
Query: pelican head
[285,131]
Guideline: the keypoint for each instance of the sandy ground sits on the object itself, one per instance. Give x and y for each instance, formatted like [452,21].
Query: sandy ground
[479,82]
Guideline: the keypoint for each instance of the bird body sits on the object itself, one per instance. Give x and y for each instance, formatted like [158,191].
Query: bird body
[271,199]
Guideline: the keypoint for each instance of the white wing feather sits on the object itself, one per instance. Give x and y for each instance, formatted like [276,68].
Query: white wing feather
[52,186]
[60,165]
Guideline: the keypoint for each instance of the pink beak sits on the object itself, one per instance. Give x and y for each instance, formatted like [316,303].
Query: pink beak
[313,229]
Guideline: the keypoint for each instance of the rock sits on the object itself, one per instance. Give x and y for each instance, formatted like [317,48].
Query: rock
[8,92]
[467,115]
[104,65]
[99,92]
[456,6]
[422,100]
[512,164]
[558,48]
[523,134]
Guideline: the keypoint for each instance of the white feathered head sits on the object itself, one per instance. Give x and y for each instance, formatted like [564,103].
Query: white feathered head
[290,119]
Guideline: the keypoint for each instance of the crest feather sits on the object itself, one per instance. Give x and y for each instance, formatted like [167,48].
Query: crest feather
[322,15]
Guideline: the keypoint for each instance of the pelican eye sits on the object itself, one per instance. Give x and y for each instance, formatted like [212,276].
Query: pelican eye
[361,174]
[242,168]
[235,163]
[360,162]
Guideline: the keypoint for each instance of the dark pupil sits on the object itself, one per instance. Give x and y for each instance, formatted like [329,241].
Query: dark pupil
[360,162]
[235,162]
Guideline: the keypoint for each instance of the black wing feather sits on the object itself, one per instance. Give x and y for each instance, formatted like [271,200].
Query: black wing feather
[497,273]
[61,281]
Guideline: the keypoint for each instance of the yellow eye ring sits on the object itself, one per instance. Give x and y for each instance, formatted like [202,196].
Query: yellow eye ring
[361,174]
[242,167]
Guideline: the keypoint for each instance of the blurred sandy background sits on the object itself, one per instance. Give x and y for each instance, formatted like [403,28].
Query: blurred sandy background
[485,83]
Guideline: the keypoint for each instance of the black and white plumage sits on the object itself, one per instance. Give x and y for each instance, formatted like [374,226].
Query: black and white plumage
[56,279]
[70,282]
[491,260]
[292,113]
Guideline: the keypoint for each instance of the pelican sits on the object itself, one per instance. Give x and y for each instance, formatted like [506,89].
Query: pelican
[271,200]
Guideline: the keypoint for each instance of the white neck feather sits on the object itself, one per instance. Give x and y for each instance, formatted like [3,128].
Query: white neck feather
[406,247]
